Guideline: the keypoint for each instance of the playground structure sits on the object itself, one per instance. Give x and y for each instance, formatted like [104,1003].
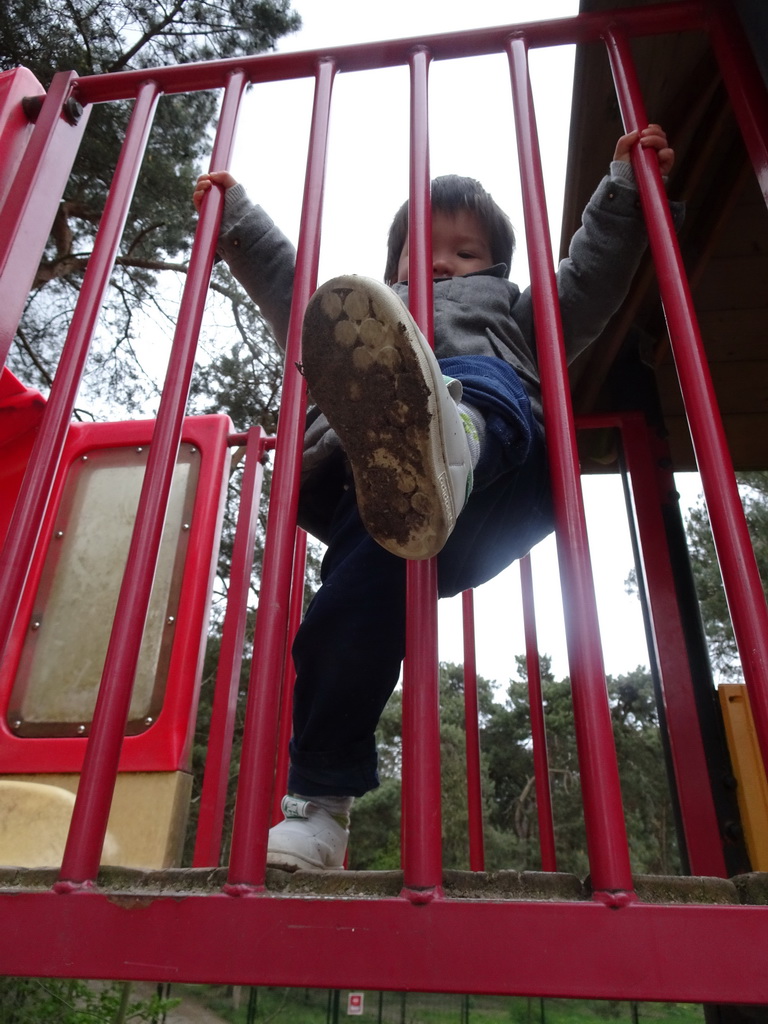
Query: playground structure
[698,938]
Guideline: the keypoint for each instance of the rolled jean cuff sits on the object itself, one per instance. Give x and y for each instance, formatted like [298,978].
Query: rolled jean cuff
[314,773]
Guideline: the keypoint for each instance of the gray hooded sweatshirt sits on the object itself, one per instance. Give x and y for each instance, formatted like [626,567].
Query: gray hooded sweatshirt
[481,314]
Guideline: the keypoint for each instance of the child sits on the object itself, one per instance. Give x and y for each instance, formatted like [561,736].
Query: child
[414,454]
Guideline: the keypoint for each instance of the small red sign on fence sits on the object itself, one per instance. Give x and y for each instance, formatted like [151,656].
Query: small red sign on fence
[355,1004]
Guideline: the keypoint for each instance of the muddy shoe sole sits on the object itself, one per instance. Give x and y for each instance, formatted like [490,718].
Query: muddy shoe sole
[374,376]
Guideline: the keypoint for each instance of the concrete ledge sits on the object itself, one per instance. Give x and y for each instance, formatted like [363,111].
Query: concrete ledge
[685,889]
[494,886]
[753,888]
[513,885]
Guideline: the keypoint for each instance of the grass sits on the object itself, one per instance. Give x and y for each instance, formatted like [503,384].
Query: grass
[319,1006]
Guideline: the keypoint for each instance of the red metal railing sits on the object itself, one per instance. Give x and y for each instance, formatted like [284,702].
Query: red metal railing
[277,937]
[249,837]
[213,797]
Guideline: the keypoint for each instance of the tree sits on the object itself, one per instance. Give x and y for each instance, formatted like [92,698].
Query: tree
[508,784]
[375,836]
[108,36]
[714,610]
[508,745]
[40,1000]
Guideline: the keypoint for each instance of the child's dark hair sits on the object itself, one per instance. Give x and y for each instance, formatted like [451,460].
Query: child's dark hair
[450,194]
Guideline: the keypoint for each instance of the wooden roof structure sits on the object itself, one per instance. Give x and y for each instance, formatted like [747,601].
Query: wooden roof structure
[724,240]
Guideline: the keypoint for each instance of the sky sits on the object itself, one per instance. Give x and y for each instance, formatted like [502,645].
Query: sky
[367,180]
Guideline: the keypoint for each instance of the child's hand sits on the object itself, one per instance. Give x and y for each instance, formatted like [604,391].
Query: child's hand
[653,137]
[206,181]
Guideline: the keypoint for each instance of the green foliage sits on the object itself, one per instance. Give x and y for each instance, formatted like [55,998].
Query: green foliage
[41,1000]
[318,1006]
[375,839]
[714,610]
[508,782]
[109,36]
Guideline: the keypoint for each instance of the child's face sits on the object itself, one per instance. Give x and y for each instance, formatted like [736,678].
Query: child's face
[460,246]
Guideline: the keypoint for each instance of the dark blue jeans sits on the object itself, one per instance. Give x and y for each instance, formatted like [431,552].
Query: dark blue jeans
[350,645]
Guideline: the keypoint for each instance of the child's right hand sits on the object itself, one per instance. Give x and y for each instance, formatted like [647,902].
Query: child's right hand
[206,181]
[652,137]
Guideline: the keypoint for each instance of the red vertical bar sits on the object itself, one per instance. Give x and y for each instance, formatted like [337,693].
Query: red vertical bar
[472,732]
[30,206]
[44,460]
[97,782]
[247,868]
[745,87]
[213,798]
[422,839]
[604,819]
[289,674]
[697,810]
[741,579]
[538,728]
[18,87]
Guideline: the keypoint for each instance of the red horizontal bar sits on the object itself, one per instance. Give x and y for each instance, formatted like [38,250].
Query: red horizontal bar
[685,953]
[391,53]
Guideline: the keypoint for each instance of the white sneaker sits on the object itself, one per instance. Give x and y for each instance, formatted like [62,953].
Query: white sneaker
[309,838]
[373,374]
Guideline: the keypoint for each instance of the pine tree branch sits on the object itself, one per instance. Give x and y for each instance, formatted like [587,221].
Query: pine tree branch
[155,29]
[25,345]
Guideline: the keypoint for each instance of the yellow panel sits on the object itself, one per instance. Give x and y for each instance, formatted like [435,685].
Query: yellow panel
[748,768]
[145,829]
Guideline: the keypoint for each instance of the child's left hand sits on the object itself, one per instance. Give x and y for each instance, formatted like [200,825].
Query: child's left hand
[653,137]
[206,182]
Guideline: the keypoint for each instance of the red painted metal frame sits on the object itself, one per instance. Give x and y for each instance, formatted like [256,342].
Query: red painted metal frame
[247,864]
[16,86]
[585,28]
[285,731]
[166,744]
[577,949]
[51,438]
[741,578]
[613,946]
[651,487]
[43,171]
[421,827]
[94,794]
[31,204]
[213,796]
[745,86]
[603,813]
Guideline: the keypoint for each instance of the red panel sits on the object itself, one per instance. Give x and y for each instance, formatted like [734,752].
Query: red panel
[21,410]
[30,206]
[165,745]
[35,490]
[577,950]
[15,125]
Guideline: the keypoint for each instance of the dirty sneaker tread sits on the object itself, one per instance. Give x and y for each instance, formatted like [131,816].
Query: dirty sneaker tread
[367,370]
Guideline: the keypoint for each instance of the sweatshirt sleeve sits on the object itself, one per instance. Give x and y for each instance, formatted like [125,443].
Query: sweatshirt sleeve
[260,257]
[603,258]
